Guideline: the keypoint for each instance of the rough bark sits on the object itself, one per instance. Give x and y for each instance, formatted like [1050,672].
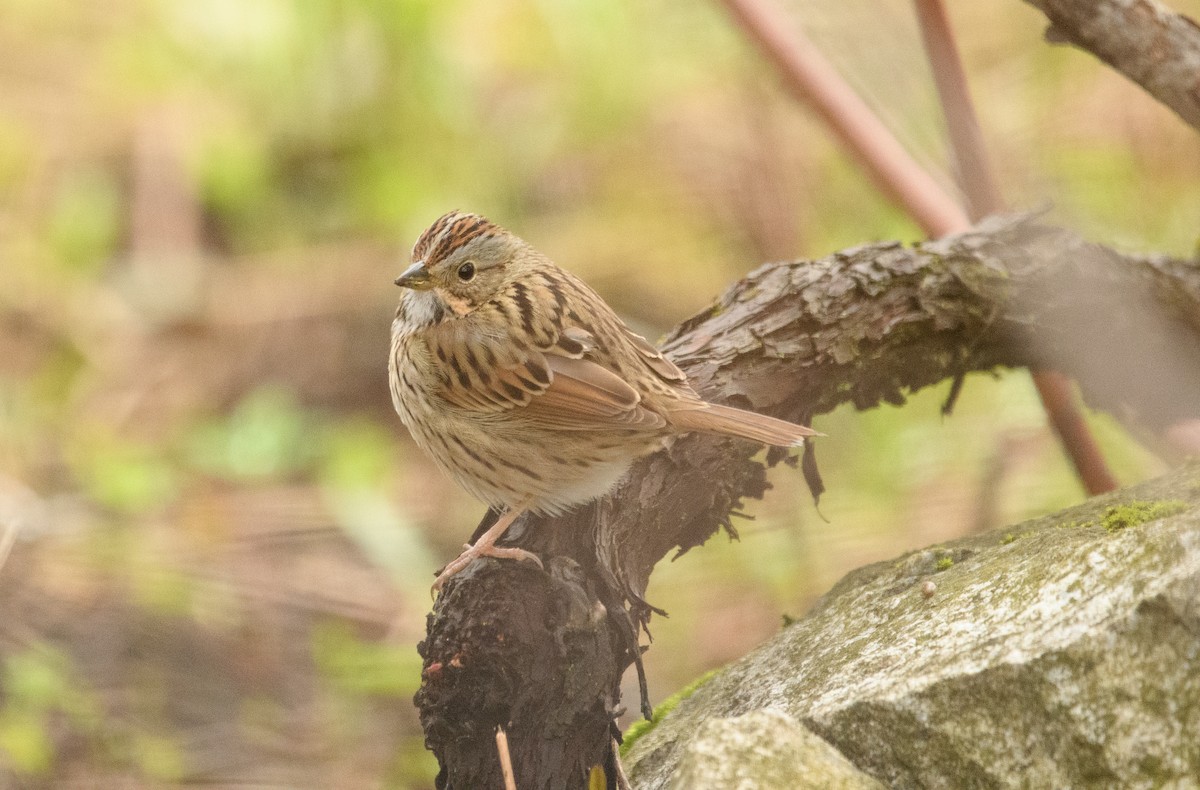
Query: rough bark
[1143,39]
[1062,652]
[864,326]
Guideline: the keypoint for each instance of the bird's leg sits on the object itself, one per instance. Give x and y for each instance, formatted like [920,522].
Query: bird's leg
[486,546]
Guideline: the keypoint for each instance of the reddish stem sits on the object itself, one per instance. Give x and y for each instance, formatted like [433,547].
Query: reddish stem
[1065,417]
[978,183]
[973,171]
[814,80]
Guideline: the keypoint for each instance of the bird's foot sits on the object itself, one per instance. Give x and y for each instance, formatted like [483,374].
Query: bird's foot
[471,553]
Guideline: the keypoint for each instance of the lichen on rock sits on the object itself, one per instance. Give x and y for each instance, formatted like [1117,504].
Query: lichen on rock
[1048,657]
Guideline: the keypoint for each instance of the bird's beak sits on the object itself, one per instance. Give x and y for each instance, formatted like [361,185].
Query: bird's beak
[415,277]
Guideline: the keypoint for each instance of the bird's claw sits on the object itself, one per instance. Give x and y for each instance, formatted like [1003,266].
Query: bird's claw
[471,553]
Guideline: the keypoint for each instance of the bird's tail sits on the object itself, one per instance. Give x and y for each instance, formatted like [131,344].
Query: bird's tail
[714,418]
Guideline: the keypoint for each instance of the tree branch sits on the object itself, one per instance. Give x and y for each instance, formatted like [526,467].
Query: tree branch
[1143,39]
[543,653]
[813,80]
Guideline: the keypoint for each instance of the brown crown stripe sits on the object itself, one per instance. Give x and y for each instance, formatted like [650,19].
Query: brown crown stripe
[450,232]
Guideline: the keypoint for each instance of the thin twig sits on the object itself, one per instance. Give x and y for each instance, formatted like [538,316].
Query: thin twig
[973,168]
[1068,422]
[506,767]
[7,538]
[979,186]
[21,499]
[622,780]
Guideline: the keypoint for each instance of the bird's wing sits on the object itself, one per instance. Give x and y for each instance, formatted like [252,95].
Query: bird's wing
[586,396]
[555,383]
[665,368]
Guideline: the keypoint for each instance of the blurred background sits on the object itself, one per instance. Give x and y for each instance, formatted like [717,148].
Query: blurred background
[219,537]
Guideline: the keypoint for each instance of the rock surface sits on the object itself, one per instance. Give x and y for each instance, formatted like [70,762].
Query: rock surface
[764,750]
[1063,652]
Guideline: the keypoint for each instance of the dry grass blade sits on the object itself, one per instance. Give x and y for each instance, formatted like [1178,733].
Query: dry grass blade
[506,767]
[7,538]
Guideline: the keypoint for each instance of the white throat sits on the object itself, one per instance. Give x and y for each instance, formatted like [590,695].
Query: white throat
[420,309]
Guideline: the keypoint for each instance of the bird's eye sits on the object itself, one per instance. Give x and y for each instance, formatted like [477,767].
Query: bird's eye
[466,272]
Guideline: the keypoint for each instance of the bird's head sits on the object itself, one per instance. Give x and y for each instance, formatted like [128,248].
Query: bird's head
[459,263]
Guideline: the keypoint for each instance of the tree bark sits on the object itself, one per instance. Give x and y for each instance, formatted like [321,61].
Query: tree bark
[1143,39]
[542,654]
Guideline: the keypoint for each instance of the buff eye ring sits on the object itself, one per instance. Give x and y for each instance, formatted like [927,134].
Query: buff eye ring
[466,272]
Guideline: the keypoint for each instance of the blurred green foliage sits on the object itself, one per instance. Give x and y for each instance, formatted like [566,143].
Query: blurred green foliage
[116,472]
[267,436]
[39,684]
[201,207]
[363,668]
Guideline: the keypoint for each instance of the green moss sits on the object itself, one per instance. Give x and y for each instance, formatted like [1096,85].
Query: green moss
[1008,538]
[641,726]
[1131,514]
[944,562]
[1115,518]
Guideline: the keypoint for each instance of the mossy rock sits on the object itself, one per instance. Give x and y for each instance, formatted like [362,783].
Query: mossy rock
[1043,657]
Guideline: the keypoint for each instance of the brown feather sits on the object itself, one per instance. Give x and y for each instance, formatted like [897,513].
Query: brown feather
[715,418]
[585,396]
[664,367]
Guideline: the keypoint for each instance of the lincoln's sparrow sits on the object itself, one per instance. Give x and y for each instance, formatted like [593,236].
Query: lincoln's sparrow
[525,387]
